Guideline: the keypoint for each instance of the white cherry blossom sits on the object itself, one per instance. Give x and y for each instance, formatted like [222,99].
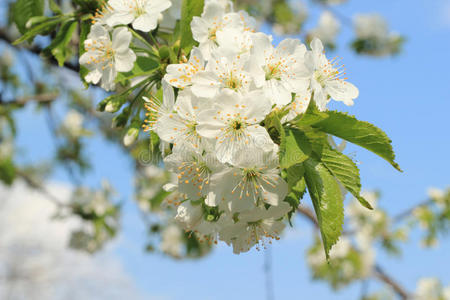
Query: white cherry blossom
[255,227]
[279,71]
[233,123]
[106,56]
[326,78]
[254,180]
[223,72]
[193,171]
[142,14]
[179,125]
[180,75]
[213,19]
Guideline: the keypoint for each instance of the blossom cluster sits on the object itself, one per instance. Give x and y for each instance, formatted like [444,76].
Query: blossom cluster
[212,117]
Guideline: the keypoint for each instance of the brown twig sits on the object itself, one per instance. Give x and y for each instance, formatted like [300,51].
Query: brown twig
[37,186]
[37,50]
[41,98]
[378,273]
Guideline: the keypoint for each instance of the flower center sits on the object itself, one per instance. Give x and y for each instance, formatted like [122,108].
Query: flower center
[138,7]
[233,83]
[236,127]
[212,33]
[273,71]
[329,71]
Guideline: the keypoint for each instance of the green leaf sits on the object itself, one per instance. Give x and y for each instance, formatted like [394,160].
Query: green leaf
[84,31]
[327,199]
[360,133]
[23,10]
[311,116]
[54,7]
[297,187]
[274,127]
[7,171]
[294,148]
[189,9]
[42,27]
[59,45]
[345,171]
[143,66]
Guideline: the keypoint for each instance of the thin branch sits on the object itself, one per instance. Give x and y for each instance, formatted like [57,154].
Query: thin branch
[37,50]
[41,98]
[379,273]
[309,214]
[409,211]
[37,186]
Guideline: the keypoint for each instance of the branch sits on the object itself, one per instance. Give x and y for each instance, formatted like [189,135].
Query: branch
[380,274]
[409,211]
[378,271]
[37,186]
[41,98]
[37,50]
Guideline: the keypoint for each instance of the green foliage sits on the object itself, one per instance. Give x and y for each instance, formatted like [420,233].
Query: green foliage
[43,26]
[310,117]
[84,31]
[7,170]
[360,133]
[346,171]
[23,10]
[59,45]
[297,186]
[327,200]
[144,66]
[189,9]
[294,148]
[54,7]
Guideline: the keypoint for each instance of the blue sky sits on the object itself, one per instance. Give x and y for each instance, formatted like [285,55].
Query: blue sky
[408,96]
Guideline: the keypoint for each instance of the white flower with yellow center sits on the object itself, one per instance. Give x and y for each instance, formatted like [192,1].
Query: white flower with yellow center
[158,110]
[142,14]
[104,57]
[213,19]
[193,171]
[194,217]
[180,75]
[255,227]
[326,78]
[233,123]
[223,73]
[179,125]
[279,71]
[254,180]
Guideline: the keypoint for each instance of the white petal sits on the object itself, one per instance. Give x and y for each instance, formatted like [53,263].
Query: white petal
[316,45]
[158,5]
[277,93]
[205,85]
[199,29]
[275,192]
[98,31]
[342,91]
[125,62]
[93,76]
[146,22]
[121,39]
